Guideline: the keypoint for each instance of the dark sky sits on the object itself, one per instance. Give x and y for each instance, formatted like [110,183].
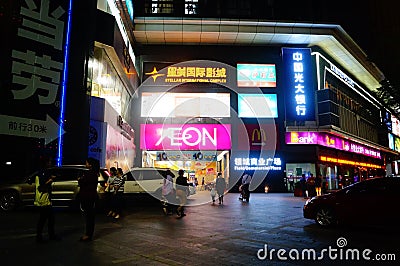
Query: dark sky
[375,26]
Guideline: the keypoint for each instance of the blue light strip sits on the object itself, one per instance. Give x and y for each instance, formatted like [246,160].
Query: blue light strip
[63,87]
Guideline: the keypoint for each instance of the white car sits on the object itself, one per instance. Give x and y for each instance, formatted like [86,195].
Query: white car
[145,180]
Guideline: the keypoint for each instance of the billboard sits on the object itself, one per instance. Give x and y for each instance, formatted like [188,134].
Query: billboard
[257,106]
[331,141]
[168,104]
[257,137]
[185,137]
[299,85]
[256,75]
[33,69]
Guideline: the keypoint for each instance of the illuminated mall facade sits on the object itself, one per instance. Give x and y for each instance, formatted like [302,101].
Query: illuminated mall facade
[228,95]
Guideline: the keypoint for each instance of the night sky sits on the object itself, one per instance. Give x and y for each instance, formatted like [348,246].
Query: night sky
[375,26]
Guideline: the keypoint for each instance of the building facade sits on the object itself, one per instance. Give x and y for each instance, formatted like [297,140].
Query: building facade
[206,86]
[316,116]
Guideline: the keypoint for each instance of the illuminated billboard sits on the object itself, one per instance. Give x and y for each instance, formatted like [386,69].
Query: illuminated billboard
[395,126]
[299,89]
[167,104]
[257,106]
[391,141]
[257,137]
[256,75]
[331,141]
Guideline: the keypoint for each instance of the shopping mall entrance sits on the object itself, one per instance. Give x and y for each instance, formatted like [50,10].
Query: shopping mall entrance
[198,165]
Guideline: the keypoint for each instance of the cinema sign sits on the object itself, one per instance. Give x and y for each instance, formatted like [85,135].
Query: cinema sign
[185,136]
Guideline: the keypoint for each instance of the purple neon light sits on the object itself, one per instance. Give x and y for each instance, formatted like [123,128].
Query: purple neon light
[331,141]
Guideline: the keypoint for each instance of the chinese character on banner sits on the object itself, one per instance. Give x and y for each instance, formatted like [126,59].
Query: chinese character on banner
[39,73]
[299,84]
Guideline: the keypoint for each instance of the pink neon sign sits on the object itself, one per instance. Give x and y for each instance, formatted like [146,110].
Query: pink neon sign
[331,141]
[185,137]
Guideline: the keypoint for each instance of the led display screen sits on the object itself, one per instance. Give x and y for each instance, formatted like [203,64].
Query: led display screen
[257,106]
[160,104]
[256,75]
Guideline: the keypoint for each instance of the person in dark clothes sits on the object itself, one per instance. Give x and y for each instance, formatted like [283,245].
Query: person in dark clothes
[88,196]
[303,185]
[43,195]
[220,186]
[181,192]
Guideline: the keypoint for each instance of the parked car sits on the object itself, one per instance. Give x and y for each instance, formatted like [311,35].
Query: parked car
[64,188]
[145,180]
[370,202]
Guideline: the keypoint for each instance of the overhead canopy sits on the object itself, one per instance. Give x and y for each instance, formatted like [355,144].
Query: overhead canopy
[332,39]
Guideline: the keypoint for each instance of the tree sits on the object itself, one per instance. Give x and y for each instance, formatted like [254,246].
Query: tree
[389,96]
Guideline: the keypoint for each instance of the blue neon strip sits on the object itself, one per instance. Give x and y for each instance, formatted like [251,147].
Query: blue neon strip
[63,87]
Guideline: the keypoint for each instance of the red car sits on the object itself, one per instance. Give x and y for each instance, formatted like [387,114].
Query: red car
[371,202]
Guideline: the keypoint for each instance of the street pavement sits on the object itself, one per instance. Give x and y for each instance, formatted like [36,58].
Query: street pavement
[235,233]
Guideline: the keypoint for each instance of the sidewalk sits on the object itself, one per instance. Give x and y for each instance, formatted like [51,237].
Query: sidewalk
[229,234]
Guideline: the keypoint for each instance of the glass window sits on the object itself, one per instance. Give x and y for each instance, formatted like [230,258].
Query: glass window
[162,6]
[107,84]
[191,7]
[151,175]
[66,174]
[132,176]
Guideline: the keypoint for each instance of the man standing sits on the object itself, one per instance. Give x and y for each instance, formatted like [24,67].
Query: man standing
[181,192]
[220,185]
[246,179]
[88,196]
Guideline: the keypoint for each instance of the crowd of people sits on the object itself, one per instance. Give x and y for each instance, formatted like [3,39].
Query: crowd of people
[174,198]
[87,199]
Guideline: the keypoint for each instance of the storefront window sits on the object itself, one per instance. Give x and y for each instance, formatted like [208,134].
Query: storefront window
[294,172]
[329,175]
[106,82]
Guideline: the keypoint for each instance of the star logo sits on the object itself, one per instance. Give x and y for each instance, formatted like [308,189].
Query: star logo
[154,74]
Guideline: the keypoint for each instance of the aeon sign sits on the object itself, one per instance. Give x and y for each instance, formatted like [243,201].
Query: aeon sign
[185,137]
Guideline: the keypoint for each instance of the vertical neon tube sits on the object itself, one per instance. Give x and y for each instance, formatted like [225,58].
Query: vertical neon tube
[63,87]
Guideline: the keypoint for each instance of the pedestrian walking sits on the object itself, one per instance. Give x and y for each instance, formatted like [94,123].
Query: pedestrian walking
[110,191]
[117,194]
[88,196]
[181,192]
[303,185]
[213,194]
[311,186]
[220,186]
[43,196]
[168,193]
[245,191]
